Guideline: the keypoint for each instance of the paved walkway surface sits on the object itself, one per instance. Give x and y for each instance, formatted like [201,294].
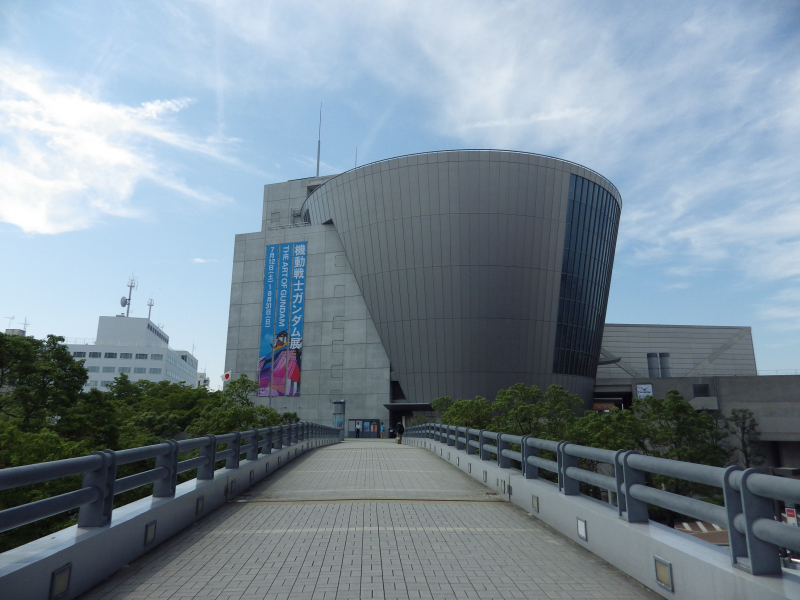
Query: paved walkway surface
[369,519]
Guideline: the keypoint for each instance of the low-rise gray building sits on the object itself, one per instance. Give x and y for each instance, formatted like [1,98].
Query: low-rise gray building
[712,367]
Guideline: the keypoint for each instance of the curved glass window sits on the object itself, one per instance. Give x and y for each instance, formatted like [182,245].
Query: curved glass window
[589,242]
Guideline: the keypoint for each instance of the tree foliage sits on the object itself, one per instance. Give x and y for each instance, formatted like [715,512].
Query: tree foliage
[45,415]
[743,428]
[39,380]
[234,410]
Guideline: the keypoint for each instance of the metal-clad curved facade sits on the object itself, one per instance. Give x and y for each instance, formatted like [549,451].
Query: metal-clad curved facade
[460,257]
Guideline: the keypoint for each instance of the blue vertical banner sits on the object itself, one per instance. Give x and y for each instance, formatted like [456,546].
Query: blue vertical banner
[282,322]
[268,320]
[298,296]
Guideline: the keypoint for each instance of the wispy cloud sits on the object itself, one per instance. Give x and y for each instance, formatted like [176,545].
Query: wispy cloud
[201,261]
[68,158]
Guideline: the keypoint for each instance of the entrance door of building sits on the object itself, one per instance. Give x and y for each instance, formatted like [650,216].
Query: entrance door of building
[363,428]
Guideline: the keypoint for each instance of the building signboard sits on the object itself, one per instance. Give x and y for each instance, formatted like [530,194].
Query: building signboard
[282,320]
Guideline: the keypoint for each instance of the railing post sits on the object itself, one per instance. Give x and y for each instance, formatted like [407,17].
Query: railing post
[528,470]
[737,542]
[455,435]
[620,479]
[764,557]
[277,437]
[267,447]
[98,513]
[459,443]
[165,488]
[207,470]
[636,509]
[232,462]
[252,454]
[568,485]
[502,461]
[484,454]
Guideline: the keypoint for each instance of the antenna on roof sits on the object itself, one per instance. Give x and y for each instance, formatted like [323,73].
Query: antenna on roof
[132,285]
[25,324]
[9,321]
[319,136]
[150,304]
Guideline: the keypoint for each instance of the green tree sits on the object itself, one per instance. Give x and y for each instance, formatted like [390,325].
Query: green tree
[151,411]
[614,430]
[93,421]
[233,410]
[20,447]
[518,410]
[743,427]
[673,429]
[476,413]
[39,379]
[440,405]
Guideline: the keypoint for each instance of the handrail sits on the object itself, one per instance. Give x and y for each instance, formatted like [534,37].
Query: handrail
[755,537]
[99,471]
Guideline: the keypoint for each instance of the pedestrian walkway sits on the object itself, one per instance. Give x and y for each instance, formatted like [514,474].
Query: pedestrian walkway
[369,519]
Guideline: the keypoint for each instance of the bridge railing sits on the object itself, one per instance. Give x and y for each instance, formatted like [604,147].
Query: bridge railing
[95,499]
[756,536]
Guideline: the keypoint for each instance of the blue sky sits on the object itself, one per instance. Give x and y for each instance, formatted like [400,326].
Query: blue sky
[135,138]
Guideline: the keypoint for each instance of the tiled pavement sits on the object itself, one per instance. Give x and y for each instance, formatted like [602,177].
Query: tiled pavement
[369,519]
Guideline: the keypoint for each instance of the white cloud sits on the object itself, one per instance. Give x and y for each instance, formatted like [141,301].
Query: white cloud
[69,159]
[201,261]
[692,110]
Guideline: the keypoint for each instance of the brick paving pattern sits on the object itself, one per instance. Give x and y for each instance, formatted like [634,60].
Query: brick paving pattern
[369,519]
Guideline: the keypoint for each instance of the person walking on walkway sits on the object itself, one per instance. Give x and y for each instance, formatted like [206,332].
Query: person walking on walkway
[383,431]
[400,430]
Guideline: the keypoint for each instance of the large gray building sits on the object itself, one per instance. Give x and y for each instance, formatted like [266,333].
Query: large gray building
[438,274]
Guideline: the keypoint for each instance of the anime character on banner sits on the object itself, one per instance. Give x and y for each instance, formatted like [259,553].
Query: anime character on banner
[285,367]
[264,374]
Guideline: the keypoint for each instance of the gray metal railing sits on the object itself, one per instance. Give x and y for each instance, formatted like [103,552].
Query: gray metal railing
[95,499]
[756,537]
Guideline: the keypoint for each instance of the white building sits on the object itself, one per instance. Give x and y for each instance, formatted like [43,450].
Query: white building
[136,347]
[203,380]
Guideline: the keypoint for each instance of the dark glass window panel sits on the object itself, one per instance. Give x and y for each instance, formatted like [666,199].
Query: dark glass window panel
[593,215]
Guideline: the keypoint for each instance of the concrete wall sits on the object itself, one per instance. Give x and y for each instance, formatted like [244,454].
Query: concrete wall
[774,400]
[343,356]
[458,256]
[701,570]
[696,351]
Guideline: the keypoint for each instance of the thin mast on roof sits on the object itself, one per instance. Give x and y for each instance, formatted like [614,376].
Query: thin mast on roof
[132,285]
[150,304]
[319,136]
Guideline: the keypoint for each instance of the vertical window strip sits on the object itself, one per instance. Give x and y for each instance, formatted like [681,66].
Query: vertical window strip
[589,245]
